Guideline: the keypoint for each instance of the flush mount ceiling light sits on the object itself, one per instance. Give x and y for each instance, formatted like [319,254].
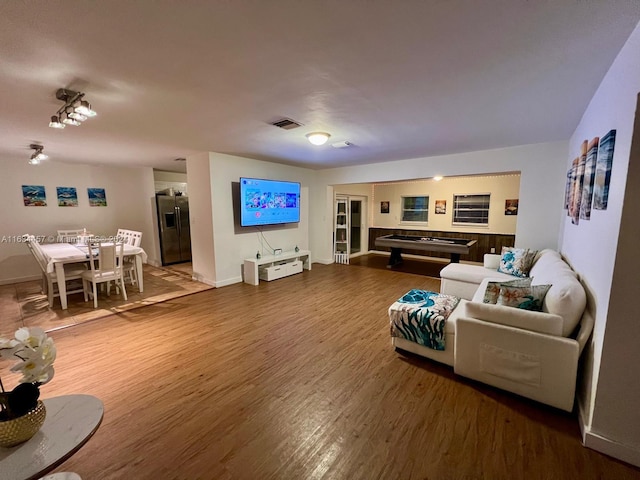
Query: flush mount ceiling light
[37,154]
[437,178]
[318,138]
[74,111]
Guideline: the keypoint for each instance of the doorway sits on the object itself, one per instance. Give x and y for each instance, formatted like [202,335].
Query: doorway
[355,223]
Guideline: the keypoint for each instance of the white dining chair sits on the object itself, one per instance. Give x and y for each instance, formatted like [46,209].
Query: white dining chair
[70,236]
[105,266]
[133,238]
[49,279]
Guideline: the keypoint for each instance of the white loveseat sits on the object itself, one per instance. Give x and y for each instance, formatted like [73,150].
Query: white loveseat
[533,354]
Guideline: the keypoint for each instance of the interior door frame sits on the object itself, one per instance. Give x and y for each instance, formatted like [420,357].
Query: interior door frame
[364,223]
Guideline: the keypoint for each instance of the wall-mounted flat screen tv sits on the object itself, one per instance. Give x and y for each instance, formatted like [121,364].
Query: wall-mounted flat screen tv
[268,202]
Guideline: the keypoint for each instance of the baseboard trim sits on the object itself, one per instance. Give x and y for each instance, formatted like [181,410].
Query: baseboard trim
[613,449]
[9,281]
[323,261]
[224,283]
[201,279]
[602,444]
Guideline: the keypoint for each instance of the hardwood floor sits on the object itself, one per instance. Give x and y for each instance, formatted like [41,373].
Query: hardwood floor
[297,379]
[24,304]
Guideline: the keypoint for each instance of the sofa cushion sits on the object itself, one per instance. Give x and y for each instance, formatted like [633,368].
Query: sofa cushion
[525,297]
[514,317]
[548,265]
[471,273]
[516,261]
[492,290]
[566,298]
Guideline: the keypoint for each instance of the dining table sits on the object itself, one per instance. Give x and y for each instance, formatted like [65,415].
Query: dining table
[58,255]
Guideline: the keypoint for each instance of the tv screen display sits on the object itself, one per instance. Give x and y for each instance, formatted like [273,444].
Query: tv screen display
[268,202]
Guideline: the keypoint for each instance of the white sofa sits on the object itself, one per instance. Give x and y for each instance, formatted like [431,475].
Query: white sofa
[533,354]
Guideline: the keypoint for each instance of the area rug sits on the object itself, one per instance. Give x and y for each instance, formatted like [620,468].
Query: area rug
[23,304]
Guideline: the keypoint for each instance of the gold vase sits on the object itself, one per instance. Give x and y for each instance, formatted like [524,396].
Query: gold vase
[21,429]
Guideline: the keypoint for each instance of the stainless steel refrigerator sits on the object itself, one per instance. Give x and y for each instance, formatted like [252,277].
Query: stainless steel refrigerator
[173,224]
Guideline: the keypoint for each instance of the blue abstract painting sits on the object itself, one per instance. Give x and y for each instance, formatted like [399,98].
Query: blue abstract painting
[34,196]
[67,196]
[97,197]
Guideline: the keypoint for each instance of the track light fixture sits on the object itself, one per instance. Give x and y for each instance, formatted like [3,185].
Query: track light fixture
[74,111]
[37,154]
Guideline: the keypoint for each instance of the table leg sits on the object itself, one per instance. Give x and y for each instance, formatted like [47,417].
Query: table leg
[395,258]
[455,258]
[139,273]
[62,285]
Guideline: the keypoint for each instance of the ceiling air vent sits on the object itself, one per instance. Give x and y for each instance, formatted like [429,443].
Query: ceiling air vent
[286,123]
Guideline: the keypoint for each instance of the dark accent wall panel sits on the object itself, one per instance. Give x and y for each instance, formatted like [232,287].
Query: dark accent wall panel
[485,241]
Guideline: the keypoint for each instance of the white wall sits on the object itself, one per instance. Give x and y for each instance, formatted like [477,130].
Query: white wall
[606,257]
[129,191]
[542,181]
[201,218]
[234,243]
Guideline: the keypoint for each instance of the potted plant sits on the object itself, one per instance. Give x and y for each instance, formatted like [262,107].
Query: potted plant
[21,413]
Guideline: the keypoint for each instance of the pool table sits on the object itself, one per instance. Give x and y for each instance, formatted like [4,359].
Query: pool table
[454,246]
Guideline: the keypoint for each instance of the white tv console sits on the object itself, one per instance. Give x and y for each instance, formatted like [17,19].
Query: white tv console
[276,266]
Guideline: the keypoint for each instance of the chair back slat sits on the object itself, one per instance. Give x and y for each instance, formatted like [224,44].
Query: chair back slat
[105,258]
[35,249]
[70,236]
[130,237]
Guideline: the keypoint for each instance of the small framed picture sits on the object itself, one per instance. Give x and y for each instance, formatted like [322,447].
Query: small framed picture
[511,207]
[441,207]
[97,197]
[384,207]
[67,196]
[34,196]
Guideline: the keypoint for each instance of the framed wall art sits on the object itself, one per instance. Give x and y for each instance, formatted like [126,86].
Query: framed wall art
[67,196]
[34,196]
[97,197]
[589,178]
[603,171]
[511,206]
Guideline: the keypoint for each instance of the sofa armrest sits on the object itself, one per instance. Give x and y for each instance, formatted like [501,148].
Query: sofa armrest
[586,327]
[535,365]
[492,261]
[540,322]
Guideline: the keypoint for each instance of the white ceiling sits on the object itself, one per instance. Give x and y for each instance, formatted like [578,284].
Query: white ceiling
[398,79]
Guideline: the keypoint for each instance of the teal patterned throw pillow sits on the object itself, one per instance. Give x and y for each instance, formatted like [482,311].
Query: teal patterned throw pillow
[516,261]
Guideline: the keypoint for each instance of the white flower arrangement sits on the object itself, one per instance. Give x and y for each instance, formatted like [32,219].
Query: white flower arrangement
[35,352]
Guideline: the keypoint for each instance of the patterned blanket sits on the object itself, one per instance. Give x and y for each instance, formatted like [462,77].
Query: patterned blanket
[421,316]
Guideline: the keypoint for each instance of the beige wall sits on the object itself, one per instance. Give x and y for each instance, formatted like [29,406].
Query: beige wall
[501,188]
[130,205]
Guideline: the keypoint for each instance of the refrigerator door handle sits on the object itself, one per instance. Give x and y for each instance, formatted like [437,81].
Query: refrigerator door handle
[178,226]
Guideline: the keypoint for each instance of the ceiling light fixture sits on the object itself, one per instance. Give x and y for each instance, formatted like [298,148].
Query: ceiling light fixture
[56,123]
[74,111]
[318,138]
[37,155]
[437,178]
